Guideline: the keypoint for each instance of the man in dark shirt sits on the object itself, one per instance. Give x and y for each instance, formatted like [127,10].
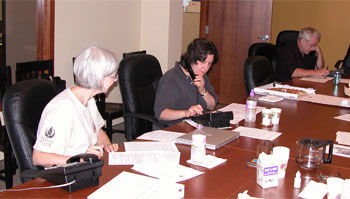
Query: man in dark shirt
[302,58]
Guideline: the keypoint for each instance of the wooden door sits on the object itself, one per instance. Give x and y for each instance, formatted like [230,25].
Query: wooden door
[233,25]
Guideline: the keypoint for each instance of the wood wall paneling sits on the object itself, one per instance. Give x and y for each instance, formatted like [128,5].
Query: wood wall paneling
[46,24]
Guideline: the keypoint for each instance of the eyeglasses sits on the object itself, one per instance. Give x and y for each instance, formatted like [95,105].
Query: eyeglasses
[114,76]
[311,45]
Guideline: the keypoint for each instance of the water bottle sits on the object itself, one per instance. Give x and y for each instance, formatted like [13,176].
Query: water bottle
[198,145]
[250,109]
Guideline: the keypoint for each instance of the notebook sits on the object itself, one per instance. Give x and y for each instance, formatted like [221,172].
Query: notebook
[216,138]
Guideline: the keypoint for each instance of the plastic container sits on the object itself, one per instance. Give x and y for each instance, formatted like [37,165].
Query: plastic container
[297,180]
[267,171]
[250,110]
[198,145]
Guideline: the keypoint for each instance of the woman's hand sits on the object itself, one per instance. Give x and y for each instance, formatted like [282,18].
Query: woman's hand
[199,82]
[111,147]
[194,110]
[95,149]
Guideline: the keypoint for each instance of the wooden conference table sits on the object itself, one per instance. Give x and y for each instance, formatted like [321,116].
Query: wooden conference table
[298,120]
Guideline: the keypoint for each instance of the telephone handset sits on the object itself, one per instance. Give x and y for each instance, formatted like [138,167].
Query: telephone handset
[189,68]
[87,157]
[85,173]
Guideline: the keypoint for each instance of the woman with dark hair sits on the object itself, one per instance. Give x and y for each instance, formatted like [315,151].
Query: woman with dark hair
[185,90]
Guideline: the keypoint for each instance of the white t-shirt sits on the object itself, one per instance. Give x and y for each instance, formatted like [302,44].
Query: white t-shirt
[67,127]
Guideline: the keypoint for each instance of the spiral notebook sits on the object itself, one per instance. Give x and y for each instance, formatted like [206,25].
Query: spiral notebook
[216,138]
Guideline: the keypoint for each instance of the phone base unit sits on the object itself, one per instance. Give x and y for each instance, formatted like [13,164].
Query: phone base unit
[217,120]
[85,173]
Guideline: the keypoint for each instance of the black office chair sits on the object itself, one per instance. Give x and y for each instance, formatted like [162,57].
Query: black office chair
[22,106]
[267,50]
[138,81]
[345,62]
[128,54]
[285,37]
[257,72]
[5,146]
[34,70]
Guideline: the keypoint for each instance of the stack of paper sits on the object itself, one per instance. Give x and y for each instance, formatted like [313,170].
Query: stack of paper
[146,153]
[257,133]
[161,136]
[130,185]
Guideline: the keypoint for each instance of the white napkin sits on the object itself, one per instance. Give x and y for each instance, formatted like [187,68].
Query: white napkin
[314,190]
[270,98]
[209,161]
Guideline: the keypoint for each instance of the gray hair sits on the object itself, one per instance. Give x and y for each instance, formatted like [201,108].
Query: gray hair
[308,32]
[92,65]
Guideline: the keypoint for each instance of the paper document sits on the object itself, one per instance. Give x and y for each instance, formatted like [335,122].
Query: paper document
[345,81]
[340,150]
[257,133]
[345,117]
[319,79]
[314,190]
[209,162]
[326,99]
[130,185]
[172,173]
[343,138]
[150,146]
[238,111]
[347,90]
[161,136]
[143,157]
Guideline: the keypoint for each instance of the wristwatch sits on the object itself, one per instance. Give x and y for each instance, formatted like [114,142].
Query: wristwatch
[205,93]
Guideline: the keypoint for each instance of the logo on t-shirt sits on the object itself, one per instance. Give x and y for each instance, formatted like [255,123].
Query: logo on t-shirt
[49,133]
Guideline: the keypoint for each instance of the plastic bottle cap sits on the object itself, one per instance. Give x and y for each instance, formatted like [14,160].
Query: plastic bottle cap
[297,174]
[251,93]
[199,126]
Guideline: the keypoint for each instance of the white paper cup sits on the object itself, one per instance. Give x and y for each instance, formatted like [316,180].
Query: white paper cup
[276,114]
[281,154]
[334,187]
[266,117]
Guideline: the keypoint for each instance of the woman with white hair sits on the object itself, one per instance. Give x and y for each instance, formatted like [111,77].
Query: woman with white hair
[71,123]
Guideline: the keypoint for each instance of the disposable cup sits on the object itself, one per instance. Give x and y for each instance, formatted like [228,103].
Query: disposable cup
[281,155]
[334,187]
[276,114]
[266,117]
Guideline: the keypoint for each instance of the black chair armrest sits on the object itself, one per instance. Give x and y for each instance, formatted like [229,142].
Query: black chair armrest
[145,117]
[338,64]
[27,175]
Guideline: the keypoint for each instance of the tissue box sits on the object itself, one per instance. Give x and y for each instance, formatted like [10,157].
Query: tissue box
[267,171]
